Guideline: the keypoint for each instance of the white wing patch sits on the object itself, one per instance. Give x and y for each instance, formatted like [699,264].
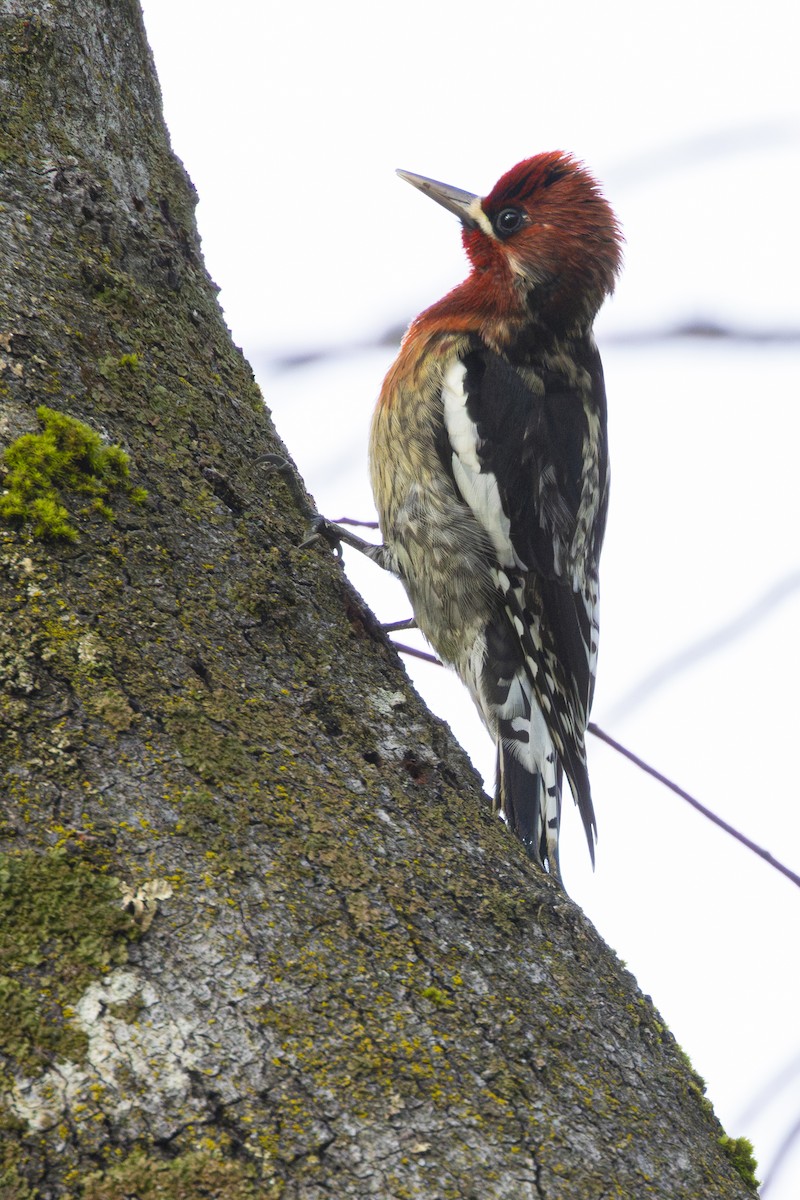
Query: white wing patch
[478,488]
[461,429]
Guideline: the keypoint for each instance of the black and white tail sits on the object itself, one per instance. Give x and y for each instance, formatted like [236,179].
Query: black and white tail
[539,734]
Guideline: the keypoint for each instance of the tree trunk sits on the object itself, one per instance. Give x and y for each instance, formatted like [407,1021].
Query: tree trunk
[335,974]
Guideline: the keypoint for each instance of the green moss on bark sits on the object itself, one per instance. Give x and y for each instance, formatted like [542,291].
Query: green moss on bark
[66,457]
[740,1152]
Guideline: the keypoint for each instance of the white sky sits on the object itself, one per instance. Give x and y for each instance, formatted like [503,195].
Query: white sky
[291,121]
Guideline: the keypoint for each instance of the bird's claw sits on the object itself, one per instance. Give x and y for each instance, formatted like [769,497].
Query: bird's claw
[320,529]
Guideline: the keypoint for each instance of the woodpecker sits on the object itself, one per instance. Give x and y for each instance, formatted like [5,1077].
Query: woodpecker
[489,465]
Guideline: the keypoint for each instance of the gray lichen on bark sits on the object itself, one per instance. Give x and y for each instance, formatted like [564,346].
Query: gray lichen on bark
[359,986]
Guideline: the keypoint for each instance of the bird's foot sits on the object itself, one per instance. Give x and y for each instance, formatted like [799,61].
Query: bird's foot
[320,529]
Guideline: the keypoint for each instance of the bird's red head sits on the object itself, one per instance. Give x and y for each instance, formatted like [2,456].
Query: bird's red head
[544,244]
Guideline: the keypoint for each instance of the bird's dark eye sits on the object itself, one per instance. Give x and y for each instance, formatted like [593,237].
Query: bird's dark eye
[507,221]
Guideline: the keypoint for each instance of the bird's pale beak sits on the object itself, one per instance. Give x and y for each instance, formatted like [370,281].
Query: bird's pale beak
[454,199]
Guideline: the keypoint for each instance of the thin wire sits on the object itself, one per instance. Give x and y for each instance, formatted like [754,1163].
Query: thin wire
[701,808]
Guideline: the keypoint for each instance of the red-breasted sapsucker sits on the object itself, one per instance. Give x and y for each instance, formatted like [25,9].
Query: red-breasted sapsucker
[488,459]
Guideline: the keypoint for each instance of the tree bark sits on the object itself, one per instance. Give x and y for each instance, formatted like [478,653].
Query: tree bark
[335,974]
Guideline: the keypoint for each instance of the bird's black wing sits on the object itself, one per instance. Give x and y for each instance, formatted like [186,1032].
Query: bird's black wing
[529,455]
[542,434]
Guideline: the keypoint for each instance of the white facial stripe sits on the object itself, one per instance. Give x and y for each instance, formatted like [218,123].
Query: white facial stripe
[475,211]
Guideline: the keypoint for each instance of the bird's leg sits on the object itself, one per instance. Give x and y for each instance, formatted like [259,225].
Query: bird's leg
[319,528]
